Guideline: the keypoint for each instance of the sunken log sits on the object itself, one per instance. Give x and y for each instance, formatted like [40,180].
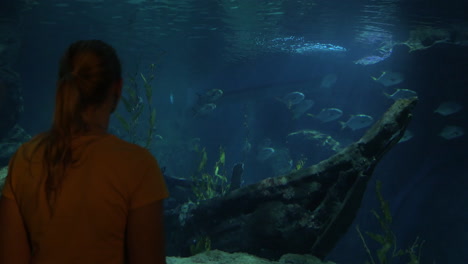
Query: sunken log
[304,212]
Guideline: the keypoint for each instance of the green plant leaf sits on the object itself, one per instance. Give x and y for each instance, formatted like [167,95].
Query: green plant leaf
[127,105]
[149,92]
[143,77]
[123,122]
[377,237]
[153,118]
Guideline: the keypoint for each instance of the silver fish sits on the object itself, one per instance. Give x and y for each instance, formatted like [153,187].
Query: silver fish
[210,96]
[356,122]
[389,78]
[448,108]
[402,94]
[204,109]
[302,107]
[328,114]
[451,132]
[406,136]
[328,80]
[292,98]
[265,153]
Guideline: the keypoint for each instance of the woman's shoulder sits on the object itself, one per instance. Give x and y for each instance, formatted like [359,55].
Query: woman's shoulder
[118,145]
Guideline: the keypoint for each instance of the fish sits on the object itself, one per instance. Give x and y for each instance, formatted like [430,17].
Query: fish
[448,108]
[389,78]
[265,153]
[292,98]
[328,114]
[402,94]
[171,98]
[204,109]
[451,132]
[302,107]
[209,96]
[356,122]
[328,80]
[406,136]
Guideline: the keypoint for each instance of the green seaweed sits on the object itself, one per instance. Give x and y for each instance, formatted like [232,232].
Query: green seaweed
[207,186]
[388,251]
[203,244]
[136,107]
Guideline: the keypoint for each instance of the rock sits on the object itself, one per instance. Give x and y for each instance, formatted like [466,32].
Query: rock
[304,212]
[220,257]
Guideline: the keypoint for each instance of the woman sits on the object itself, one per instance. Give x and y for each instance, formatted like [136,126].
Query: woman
[77,194]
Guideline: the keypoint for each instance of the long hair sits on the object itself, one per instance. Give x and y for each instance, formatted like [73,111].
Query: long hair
[87,71]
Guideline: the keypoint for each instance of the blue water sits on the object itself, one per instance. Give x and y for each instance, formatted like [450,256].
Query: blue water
[257,52]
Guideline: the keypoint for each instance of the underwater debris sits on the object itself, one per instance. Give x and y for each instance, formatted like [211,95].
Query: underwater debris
[236,177]
[272,209]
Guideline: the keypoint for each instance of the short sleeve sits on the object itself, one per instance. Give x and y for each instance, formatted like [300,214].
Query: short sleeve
[152,186]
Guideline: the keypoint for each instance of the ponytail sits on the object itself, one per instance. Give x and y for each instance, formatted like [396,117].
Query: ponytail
[87,71]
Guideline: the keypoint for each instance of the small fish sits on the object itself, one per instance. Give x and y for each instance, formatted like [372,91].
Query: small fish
[210,96]
[389,78]
[301,108]
[406,136]
[356,122]
[246,147]
[402,94]
[265,153]
[158,137]
[451,132]
[204,109]
[171,98]
[448,108]
[292,98]
[328,114]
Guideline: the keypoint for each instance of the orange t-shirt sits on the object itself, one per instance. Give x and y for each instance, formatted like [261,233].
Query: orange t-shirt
[88,226]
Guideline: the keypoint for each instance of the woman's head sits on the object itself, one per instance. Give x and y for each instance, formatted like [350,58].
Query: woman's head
[88,89]
[88,72]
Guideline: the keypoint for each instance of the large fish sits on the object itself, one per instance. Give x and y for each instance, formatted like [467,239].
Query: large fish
[448,108]
[451,132]
[328,114]
[402,94]
[389,78]
[356,122]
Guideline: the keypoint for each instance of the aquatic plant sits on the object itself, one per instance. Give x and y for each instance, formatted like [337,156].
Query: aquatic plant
[299,163]
[201,244]
[135,105]
[206,186]
[388,250]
